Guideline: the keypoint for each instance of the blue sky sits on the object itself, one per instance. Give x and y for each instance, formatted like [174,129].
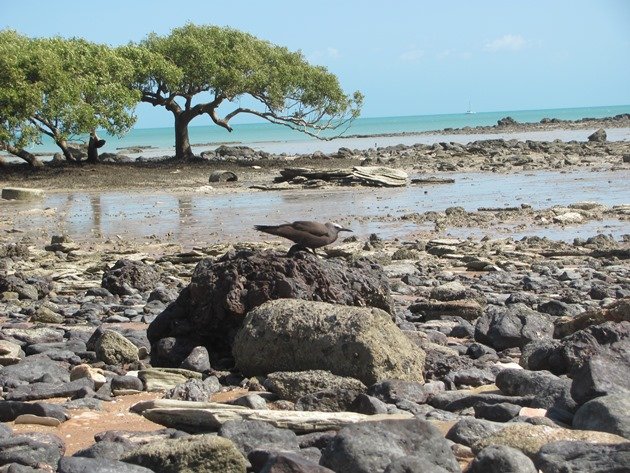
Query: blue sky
[407,57]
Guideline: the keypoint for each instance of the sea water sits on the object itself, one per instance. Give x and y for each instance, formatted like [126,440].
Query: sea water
[204,134]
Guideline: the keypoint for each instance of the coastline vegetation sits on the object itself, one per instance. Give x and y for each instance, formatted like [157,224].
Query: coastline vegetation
[65,88]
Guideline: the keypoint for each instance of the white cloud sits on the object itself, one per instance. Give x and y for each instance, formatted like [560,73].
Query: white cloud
[411,55]
[508,42]
[323,54]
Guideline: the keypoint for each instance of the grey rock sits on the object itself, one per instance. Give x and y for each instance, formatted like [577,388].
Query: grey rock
[454,401]
[75,346]
[113,348]
[195,390]
[101,465]
[601,375]
[104,449]
[512,326]
[373,446]
[253,401]
[294,335]
[500,412]
[392,391]
[412,464]
[126,382]
[501,459]
[469,430]
[293,385]
[583,457]
[470,377]
[31,449]
[197,453]
[249,435]
[133,439]
[609,413]
[544,355]
[197,360]
[35,391]
[5,431]
[333,400]
[33,335]
[127,275]
[364,404]
[610,340]
[598,136]
[12,283]
[287,462]
[9,410]
[549,390]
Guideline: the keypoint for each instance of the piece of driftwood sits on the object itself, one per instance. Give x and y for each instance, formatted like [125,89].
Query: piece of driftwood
[209,417]
[364,175]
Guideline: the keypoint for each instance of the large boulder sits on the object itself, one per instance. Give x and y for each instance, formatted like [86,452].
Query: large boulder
[605,413]
[297,335]
[292,385]
[583,457]
[512,326]
[126,277]
[368,447]
[211,309]
[199,453]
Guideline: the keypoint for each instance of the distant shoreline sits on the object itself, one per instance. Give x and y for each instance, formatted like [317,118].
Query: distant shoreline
[510,125]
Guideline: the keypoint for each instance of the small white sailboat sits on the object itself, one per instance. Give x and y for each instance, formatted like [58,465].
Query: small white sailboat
[470,110]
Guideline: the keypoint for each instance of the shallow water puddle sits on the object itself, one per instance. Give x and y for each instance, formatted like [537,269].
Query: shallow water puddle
[194,218]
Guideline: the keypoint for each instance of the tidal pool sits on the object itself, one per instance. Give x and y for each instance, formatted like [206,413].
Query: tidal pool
[227,215]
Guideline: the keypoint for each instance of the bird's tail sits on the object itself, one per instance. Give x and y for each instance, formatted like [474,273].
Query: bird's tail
[264,228]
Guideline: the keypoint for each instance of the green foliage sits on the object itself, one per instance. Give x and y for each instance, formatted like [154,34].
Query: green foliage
[230,64]
[19,94]
[62,88]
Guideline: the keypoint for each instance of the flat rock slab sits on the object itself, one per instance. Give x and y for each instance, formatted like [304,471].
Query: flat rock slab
[209,420]
[20,193]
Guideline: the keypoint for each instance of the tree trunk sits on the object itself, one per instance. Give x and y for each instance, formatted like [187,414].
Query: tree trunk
[25,155]
[64,149]
[93,145]
[183,150]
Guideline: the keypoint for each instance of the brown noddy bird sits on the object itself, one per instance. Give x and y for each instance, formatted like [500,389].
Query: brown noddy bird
[305,234]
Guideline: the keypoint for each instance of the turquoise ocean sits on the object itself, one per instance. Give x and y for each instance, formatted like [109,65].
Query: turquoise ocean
[209,134]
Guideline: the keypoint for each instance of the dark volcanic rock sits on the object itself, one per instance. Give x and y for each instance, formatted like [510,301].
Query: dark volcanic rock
[469,430]
[599,136]
[34,391]
[32,369]
[548,389]
[249,435]
[583,457]
[127,275]
[512,326]
[212,308]
[32,449]
[501,459]
[610,340]
[605,413]
[9,410]
[373,446]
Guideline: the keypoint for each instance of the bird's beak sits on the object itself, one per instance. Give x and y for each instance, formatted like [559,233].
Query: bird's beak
[345,230]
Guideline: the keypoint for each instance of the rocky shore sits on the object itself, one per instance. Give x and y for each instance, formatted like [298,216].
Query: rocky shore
[432,354]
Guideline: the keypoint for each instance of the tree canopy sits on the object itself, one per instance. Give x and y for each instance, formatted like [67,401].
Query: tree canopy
[66,88]
[63,88]
[229,64]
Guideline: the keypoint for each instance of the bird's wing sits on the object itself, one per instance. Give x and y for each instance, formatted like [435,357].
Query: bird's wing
[314,228]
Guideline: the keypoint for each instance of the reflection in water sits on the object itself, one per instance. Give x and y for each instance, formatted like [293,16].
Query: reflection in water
[197,219]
